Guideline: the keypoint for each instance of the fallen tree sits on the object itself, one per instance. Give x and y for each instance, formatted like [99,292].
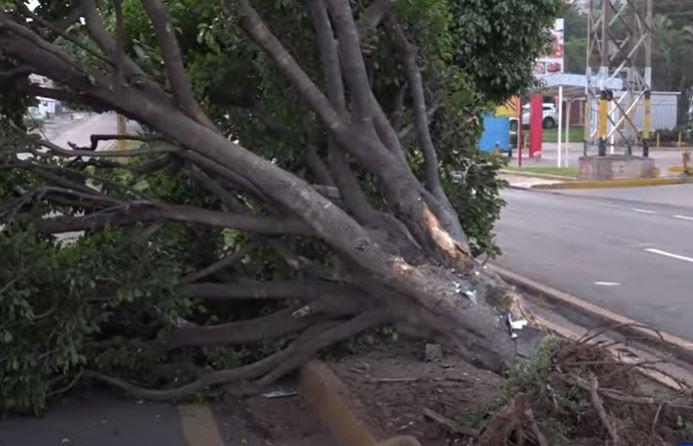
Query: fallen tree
[364,225]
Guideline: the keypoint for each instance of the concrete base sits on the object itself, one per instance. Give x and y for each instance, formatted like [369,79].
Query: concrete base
[616,167]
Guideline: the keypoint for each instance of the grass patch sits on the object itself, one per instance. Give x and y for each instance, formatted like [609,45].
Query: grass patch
[546,170]
[576,134]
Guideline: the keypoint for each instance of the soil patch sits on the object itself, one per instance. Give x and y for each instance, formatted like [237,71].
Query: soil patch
[283,421]
[397,384]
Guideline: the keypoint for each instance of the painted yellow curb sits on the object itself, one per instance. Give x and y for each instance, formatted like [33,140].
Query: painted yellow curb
[199,425]
[608,184]
[331,402]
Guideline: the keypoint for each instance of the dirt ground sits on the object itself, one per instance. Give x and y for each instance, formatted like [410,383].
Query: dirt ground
[395,386]
[283,421]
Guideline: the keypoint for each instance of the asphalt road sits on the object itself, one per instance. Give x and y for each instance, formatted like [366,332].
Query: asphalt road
[626,251]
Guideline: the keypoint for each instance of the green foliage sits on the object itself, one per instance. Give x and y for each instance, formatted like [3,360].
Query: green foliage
[497,41]
[530,375]
[57,302]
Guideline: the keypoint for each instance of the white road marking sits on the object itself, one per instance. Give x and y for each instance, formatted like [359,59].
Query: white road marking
[607,283]
[644,211]
[669,254]
[683,217]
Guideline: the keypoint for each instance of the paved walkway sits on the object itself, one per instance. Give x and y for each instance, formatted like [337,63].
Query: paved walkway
[105,418]
[101,419]
[526,182]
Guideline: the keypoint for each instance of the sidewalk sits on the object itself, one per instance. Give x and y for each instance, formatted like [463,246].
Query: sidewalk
[100,419]
[109,418]
[526,181]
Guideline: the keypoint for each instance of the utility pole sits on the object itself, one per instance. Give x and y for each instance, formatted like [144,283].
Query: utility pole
[121,130]
[619,39]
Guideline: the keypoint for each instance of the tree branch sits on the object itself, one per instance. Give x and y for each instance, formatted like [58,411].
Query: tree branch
[170,51]
[351,59]
[278,289]
[97,31]
[277,324]
[254,26]
[96,138]
[106,153]
[344,178]
[317,167]
[302,351]
[226,198]
[66,96]
[135,212]
[407,55]
[221,264]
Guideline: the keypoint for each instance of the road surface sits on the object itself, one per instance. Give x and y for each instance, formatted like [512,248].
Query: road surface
[80,132]
[630,255]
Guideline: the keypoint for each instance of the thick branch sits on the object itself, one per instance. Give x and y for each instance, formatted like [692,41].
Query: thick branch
[107,153]
[344,178]
[317,167]
[220,265]
[147,211]
[272,367]
[170,51]
[303,351]
[277,324]
[96,138]
[70,97]
[226,198]
[407,55]
[279,289]
[352,63]
[99,33]
[253,25]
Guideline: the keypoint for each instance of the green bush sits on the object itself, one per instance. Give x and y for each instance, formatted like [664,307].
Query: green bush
[57,303]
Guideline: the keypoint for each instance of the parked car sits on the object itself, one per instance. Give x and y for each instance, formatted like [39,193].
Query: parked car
[549,116]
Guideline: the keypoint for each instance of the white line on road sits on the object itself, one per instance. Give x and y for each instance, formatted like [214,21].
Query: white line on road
[683,217]
[607,283]
[644,211]
[669,254]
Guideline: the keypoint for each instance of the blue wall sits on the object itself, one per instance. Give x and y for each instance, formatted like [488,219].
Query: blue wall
[496,131]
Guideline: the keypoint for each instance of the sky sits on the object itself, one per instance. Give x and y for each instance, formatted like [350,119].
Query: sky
[32,4]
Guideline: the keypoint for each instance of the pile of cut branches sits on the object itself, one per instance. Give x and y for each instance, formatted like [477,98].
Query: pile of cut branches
[578,393]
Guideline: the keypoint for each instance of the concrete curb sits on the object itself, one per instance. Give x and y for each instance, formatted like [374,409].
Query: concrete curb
[339,411]
[199,426]
[610,184]
[608,316]
[331,402]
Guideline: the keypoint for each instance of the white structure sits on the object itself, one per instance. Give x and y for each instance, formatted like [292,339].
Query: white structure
[46,107]
[664,111]
[569,87]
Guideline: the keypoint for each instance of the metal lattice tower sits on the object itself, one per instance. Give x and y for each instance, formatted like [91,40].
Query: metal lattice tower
[619,52]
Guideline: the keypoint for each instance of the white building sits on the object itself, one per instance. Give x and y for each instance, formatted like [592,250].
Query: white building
[46,107]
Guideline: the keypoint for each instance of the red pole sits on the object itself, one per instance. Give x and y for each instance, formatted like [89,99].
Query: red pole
[519,132]
[535,126]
